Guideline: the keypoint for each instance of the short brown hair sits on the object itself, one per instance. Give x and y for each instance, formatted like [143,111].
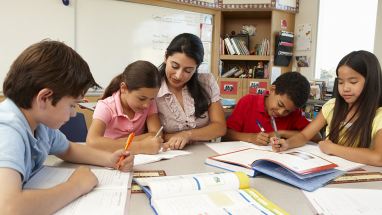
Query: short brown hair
[47,64]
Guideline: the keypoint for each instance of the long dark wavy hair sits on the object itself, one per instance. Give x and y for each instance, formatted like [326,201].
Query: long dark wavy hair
[370,99]
[136,75]
[192,47]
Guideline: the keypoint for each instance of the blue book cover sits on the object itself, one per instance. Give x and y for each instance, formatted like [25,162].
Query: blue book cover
[301,169]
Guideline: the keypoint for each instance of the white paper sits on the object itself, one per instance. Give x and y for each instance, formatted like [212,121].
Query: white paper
[109,197]
[276,72]
[343,201]
[143,158]
[225,147]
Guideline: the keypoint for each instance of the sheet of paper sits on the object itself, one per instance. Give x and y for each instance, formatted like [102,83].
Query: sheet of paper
[143,158]
[276,72]
[225,147]
[109,197]
[343,201]
[48,177]
[98,202]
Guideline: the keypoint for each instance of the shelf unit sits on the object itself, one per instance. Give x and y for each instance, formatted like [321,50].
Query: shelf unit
[268,24]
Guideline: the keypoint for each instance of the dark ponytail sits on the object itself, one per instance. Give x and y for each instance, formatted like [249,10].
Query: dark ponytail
[140,74]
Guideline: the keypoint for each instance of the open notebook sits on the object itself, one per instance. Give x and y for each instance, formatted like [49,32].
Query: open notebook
[109,197]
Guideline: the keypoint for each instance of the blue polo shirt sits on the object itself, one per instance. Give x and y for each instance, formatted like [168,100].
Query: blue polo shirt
[19,148]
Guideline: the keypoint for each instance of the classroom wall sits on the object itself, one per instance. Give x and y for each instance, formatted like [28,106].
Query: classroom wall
[308,14]
[378,33]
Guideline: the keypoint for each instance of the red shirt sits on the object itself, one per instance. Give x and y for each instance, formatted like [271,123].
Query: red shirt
[251,108]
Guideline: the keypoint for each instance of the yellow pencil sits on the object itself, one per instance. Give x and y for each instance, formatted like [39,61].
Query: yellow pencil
[128,142]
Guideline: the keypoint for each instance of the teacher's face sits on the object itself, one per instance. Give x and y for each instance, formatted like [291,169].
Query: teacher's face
[179,70]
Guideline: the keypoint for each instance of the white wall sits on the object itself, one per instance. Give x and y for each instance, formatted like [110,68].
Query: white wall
[24,22]
[378,33]
[107,34]
[308,14]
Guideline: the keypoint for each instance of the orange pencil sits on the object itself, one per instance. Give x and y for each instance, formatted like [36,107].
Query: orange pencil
[128,142]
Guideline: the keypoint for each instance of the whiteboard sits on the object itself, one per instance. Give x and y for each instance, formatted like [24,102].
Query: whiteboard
[112,34]
[25,22]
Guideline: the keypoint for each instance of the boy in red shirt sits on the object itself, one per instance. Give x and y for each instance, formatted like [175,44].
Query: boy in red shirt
[253,113]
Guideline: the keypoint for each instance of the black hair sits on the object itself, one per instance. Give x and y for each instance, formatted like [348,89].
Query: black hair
[295,86]
[366,105]
[192,47]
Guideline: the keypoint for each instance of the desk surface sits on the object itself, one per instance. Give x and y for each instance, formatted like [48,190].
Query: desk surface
[287,197]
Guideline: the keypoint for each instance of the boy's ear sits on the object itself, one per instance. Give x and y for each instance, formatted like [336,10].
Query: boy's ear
[272,88]
[43,97]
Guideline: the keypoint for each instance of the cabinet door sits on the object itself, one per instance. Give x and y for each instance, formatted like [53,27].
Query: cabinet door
[231,88]
[255,86]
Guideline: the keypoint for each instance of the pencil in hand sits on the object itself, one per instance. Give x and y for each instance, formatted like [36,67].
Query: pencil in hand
[128,142]
[159,131]
[274,126]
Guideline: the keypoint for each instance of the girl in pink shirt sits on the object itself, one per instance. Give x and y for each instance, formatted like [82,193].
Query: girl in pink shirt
[127,106]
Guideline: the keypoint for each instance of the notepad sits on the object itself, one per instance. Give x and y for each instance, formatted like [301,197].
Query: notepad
[297,167]
[206,193]
[109,197]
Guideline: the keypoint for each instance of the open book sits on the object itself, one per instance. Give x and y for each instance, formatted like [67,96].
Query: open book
[206,193]
[297,167]
[109,197]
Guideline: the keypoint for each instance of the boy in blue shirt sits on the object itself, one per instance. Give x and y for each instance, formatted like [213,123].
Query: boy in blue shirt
[42,89]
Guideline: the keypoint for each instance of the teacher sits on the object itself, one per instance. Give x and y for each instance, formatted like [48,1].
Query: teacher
[188,102]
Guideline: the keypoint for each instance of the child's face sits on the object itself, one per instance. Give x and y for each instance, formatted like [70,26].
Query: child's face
[138,100]
[59,114]
[179,70]
[278,105]
[350,84]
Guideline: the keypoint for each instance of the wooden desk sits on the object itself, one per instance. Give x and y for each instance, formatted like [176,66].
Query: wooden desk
[286,196]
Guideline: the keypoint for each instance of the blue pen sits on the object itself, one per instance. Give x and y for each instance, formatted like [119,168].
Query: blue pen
[261,127]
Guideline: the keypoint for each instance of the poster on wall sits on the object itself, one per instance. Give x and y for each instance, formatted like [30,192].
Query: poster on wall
[303,37]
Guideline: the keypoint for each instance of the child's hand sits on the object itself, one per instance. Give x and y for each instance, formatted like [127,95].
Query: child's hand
[124,165]
[177,141]
[151,145]
[84,178]
[279,145]
[260,138]
[325,146]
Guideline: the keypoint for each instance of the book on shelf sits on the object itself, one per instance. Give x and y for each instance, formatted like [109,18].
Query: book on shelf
[235,46]
[229,46]
[298,167]
[108,197]
[206,193]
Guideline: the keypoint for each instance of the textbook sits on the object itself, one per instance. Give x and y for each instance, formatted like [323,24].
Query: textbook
[206,193]
[109,197]
[297,167]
